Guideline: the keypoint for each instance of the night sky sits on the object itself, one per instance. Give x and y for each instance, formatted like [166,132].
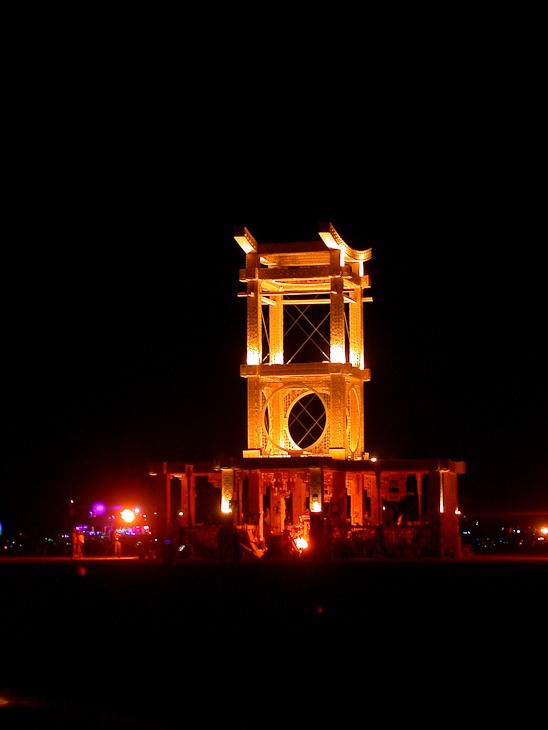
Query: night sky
[134,149]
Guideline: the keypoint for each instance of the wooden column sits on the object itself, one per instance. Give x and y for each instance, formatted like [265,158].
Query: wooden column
[450,523]
[191,494]
[435,495]
[336,312]
[184,500]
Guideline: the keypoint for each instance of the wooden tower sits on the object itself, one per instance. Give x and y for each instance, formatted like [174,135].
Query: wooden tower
[314,407]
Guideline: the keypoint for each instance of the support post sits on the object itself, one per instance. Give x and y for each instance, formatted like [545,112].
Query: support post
[255,500]
[299,500]
[277,507]
[376,500]
[356,329]
[316,514]
[254,316]
[435,515]
[254,410]
[189,470]
[378,494]
[450,525]
[276,330]
[184,499]
[336,313]
[357,500]
[338,497]
[419,495]
[337,413]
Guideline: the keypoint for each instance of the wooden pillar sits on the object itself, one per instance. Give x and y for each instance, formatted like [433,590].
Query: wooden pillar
[435,497]
[277,507]
[450,525]
[338,496]
[254,493]
[184,500]
[337,426]
[254,413]
[356,328]
[336,312]
[316,514]
[255,500]
[299,500]
[239,485]
[254,314]
[276,423]
[227,489]
[254,350]
[276,330]
[419,494]
[357,500]
[376,499]
[316,489]
[337,413]
[191,494]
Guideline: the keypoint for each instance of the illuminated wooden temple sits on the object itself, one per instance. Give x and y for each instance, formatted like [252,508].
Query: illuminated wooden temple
[288,281]
[305,460]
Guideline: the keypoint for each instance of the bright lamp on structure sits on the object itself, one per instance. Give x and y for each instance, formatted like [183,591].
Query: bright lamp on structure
[128,515]
[316,505]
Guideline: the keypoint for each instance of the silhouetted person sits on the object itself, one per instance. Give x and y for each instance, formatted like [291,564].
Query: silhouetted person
[81,540]
[117,546]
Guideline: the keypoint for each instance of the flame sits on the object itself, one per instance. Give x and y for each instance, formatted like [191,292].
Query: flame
[301,543]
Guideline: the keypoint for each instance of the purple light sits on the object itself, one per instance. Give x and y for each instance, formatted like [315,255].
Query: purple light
[99,508]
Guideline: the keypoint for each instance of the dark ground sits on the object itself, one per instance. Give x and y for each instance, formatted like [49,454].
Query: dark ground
[144,644]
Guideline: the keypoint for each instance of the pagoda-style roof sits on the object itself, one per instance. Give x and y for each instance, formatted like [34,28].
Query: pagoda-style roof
[300,253]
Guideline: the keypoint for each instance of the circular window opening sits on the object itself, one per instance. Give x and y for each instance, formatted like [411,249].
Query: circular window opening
[306,420]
